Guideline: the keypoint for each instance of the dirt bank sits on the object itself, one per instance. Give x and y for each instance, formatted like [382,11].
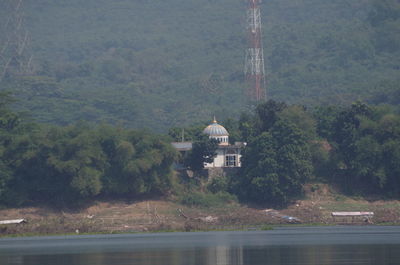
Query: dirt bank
[162,215]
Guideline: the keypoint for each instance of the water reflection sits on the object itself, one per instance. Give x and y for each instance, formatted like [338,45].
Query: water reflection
[311,246]
[222,255]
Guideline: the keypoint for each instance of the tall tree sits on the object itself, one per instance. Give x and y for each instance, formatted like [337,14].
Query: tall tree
[203,151]
[276,161]
[275,165]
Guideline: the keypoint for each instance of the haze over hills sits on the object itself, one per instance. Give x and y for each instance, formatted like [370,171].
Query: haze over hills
[160,64]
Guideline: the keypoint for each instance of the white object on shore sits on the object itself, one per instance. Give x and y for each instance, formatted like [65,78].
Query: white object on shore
[15,221]
[345,214]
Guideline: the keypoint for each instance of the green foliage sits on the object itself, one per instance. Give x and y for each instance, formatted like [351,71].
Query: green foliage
[276,161]
[192,133]
[145,64]
[207,200]
[140,164]
[358,147]
[218,184]
[321,160]
[266,228]
[384,18]
[68,165]
[203,151]
[386,92]
[267,114]
[325,117]
[366,142]
[299,116]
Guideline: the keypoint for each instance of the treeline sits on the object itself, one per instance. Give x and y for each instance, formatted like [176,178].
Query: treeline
[68,165]
[365,155]
[357,148]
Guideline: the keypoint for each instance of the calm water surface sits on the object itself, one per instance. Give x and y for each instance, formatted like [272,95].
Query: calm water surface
[294,245]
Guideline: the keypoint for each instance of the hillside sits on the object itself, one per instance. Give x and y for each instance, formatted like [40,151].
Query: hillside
[159,64]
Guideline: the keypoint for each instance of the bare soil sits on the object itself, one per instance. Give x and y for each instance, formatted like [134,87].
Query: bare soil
[166,215]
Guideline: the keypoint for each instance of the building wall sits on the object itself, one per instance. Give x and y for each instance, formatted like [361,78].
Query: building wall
[239,157]
[223,140]
[219,160]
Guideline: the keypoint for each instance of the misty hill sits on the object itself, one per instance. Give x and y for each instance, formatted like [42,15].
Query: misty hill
[164,63]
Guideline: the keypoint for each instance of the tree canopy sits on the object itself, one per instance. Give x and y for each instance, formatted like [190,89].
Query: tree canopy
[276,161]
[67,165]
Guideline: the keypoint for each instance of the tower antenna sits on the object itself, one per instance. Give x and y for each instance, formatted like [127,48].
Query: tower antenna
[14,40]
[254,63]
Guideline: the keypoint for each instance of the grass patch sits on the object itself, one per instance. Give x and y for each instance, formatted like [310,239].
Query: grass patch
[266,228]
[339,198]
[350,206]
[207,200]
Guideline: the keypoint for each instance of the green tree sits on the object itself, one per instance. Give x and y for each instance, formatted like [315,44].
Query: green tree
[365,140]
[61,165]
[275,164]
[190,133]
[11,130]
[139,162]
[391,158]
[325,117]
[266,115]
[203,151]
[299,116]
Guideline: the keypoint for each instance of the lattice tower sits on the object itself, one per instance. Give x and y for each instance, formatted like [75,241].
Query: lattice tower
[14,40]
[254,63]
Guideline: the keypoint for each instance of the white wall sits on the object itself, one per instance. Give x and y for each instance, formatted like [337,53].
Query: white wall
[219,160]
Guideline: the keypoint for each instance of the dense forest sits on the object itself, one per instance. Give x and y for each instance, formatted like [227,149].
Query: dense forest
[81,80]
[158,64]
[68,165]
[356,148]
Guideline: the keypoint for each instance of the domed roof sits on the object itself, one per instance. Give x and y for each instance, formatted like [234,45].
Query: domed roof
[214,129]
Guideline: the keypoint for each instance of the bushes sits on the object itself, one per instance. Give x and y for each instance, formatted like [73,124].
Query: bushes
[70,165]
[206,200]
[218,184]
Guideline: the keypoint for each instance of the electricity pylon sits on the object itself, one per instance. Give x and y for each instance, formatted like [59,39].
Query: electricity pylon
[14,40]
[254,64]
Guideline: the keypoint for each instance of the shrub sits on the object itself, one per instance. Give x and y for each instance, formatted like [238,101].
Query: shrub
[206,200]
[266,228]
[218,184]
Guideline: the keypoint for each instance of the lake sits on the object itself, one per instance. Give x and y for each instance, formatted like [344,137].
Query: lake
[371,245]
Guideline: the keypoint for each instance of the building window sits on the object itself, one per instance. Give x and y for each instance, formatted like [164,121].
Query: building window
[230,161]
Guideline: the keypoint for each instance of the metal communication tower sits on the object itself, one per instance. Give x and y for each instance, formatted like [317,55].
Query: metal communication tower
[254,64]
[14,40]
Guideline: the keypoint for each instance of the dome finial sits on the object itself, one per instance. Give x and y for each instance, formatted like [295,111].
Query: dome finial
[215,120]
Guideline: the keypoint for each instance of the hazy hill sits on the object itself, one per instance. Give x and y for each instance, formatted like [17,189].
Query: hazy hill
[164,63]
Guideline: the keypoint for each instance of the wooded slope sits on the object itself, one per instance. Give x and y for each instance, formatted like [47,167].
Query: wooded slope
[160,63]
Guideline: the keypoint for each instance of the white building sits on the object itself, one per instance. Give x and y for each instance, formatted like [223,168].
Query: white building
[228,155]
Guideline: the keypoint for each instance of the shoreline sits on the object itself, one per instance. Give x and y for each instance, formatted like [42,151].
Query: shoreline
[168,215]
[248,229]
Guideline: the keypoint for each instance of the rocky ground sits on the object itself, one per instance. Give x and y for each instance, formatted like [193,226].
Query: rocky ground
[167,215]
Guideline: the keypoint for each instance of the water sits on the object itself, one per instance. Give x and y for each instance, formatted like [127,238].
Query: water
[291,245]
